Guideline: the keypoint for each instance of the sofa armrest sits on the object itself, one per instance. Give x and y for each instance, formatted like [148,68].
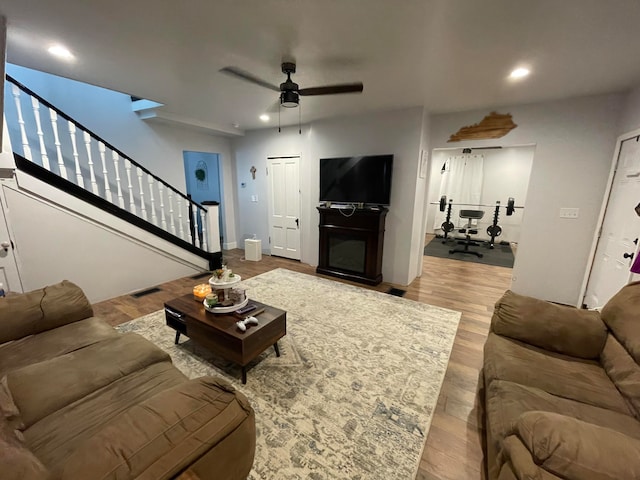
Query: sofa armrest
[43,309]
[558,328]
[571,449]
[200,422]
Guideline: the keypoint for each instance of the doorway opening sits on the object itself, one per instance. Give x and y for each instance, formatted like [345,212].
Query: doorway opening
[202,175]
[468,224]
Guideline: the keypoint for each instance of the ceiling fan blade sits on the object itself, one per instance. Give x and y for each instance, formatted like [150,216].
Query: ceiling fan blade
[332,89]
[241,74]
[274,107]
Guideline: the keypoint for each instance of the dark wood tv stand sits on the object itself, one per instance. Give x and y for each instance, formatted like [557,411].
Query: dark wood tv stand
[351,243]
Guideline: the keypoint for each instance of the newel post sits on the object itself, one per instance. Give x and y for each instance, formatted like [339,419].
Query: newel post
[213,234]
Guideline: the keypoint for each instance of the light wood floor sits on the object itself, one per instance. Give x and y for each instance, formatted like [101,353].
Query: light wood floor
[453,448]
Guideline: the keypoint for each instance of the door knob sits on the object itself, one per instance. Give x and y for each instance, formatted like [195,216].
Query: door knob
[5,245]
[628,255]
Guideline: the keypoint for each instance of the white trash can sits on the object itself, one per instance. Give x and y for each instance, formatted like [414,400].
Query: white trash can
[253,249]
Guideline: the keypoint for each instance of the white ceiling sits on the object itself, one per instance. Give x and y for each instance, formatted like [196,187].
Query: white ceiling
[448,55]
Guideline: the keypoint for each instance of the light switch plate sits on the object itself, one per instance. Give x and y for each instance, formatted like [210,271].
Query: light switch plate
[569,213]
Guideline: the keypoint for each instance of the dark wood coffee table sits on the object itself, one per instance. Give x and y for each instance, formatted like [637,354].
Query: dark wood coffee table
[219,333]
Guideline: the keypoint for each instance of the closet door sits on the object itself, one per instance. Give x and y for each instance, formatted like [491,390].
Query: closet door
[618,242]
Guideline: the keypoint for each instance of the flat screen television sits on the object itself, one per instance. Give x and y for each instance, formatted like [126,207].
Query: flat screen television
[364,179]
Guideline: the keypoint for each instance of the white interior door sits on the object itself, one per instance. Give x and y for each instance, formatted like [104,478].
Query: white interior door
[8,266]
[618,240]
[284,206]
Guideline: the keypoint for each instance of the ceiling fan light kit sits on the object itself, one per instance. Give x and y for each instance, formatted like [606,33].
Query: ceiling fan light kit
[289,99]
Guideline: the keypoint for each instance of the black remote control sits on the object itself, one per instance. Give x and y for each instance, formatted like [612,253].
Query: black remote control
[245,309]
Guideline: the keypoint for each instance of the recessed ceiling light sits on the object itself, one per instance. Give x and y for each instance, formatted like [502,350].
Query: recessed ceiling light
[520,72]
[264,117]
[60,51]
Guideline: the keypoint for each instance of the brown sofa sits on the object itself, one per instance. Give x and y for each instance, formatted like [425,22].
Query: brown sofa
[81,401]
[562,390]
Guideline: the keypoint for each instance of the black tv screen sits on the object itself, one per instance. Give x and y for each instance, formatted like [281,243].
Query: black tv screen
[365,179]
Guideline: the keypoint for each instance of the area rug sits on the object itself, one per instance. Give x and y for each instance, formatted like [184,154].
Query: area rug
[354,390]
[500,255]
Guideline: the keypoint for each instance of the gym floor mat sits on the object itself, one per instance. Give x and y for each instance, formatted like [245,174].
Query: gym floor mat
[501,255]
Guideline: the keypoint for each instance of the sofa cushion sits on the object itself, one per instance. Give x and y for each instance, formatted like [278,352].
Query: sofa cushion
[16,461]
[161,436]
[568,377]
[58,435]
[53,343]
[576,450]
[579,333]
[518,459]
[621,316]
[506,401]
[42,388]
[41,310]
[623,371]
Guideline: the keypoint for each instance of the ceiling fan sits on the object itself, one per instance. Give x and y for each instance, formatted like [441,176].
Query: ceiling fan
[289,91]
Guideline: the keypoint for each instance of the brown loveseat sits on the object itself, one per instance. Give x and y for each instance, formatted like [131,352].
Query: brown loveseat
[81,401]
[562,390]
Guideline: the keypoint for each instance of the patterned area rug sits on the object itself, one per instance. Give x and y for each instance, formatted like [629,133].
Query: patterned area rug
[353,393]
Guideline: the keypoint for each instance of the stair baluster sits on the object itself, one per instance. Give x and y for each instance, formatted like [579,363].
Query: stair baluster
[203,224]
[132,203]
[76,160]
[92,173]
[143,207]
[116,166]
[105,174]
[154,218]
[56,141]
[171,219]
[181,222]
[163,219]
[196,239]
[43,148]
[23,132]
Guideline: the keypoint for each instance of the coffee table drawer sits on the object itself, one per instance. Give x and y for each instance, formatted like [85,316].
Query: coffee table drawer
[175,320]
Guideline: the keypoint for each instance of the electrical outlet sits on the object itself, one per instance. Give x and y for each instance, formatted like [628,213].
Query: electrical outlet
[569,213]
[254,198]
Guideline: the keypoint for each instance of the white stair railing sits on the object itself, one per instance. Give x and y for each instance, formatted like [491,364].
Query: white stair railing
[105,174]
[150,198]
[23,131]
[116,168]
[56,140]
[76,156]
[43,149]
[92,173]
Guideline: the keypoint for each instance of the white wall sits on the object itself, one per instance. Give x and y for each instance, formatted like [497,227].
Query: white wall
[574,139]
[630,117]
[506,173]
[83,244]
[422,195]
[397,132]
[158,147]
[3,56]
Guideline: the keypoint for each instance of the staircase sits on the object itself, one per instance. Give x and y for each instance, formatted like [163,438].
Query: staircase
[55,149]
